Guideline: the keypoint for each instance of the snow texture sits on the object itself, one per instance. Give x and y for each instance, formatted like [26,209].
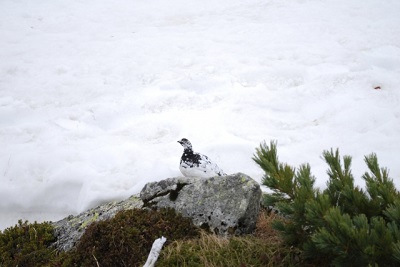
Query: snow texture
[95,94]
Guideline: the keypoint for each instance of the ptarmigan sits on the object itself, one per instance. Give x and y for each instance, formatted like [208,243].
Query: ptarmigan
[195,164]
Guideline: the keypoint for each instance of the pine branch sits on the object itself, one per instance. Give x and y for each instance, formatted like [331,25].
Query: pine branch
[392,212]
[338,176]
[380,187]
[278,177]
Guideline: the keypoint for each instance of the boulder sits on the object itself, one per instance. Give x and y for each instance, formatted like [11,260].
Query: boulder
[223,204]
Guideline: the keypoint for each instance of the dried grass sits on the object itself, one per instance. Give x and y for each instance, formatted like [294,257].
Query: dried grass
[263,248]
[264,229]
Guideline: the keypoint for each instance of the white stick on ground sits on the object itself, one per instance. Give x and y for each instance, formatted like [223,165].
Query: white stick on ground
[155,252]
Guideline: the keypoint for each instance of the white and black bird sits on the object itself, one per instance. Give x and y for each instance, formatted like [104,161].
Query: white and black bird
[194,164]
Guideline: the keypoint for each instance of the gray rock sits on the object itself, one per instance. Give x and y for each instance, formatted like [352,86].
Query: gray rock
[69,230]
[225,205]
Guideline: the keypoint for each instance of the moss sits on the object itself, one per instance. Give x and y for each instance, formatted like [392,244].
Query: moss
[89,221]
[126,239]
[26,244]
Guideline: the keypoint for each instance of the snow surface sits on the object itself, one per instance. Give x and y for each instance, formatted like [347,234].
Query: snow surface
[95,94]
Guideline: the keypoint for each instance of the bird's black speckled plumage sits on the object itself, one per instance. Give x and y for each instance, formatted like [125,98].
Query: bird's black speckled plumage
[196,164]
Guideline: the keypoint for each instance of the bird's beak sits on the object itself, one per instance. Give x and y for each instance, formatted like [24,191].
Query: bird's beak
[179,142]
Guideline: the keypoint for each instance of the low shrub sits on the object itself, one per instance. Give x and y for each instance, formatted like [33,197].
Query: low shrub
[126,239]
[27,244]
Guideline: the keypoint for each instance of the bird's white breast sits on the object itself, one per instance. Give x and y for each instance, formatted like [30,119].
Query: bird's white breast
[201,171]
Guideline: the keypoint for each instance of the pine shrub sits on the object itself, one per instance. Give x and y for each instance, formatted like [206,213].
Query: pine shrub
[342,225]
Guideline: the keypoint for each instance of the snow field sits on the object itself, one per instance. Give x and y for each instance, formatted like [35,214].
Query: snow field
[95,94]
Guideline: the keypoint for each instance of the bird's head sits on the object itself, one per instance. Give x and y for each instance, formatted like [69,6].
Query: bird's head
[185,143]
